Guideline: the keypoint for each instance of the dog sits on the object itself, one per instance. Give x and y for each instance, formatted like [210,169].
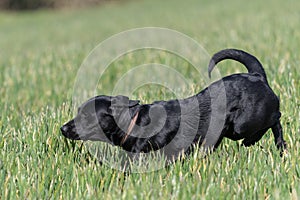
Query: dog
[249,109]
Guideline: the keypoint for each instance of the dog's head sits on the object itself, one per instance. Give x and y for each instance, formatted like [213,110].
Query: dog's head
[100,117]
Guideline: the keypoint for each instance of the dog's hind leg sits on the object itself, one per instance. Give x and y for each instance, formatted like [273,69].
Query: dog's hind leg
[254,138]
[277,132]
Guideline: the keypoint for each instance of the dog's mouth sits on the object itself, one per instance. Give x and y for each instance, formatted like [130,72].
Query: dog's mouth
[86,137]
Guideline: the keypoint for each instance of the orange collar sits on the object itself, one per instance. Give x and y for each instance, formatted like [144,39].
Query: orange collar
[130,127]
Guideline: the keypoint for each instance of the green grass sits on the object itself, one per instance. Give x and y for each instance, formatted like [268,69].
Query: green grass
[41,52]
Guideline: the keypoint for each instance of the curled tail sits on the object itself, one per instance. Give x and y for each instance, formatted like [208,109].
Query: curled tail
[251,63]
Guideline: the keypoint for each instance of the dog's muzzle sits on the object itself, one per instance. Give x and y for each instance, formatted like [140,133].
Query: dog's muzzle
[68,130]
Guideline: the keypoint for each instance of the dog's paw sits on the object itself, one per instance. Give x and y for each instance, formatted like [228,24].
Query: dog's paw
[282,146]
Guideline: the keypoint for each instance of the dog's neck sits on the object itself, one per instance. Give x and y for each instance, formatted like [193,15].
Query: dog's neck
[130,127]
[124,122]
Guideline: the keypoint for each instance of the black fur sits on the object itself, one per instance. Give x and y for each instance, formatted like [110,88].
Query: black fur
[249,109]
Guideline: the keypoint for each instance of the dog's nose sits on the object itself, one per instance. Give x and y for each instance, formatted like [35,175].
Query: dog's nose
[64,129]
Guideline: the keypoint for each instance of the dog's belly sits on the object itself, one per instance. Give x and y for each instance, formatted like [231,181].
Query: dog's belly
[234,136]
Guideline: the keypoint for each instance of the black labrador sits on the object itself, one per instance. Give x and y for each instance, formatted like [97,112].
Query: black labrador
[239,106]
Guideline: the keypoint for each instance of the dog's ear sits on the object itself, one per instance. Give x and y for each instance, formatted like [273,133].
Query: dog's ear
[121,112]
[123,101]
[133,103]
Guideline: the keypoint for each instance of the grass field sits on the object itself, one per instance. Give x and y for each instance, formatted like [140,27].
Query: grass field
[40,54]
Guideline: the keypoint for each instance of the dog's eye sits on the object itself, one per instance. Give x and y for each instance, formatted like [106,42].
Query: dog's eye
[87,116]
[82,115]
